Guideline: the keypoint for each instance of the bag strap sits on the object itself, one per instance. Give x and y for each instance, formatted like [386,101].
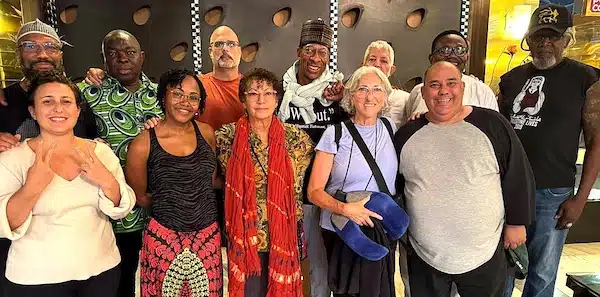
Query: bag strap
[368,157]
[338,131]
[388,125]
[338,134]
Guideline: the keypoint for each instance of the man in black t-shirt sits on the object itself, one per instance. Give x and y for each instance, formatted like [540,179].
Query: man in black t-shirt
[311,102]
[39,49]
[548,102]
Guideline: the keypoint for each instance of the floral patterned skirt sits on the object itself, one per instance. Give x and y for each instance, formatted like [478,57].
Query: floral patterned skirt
[181,264]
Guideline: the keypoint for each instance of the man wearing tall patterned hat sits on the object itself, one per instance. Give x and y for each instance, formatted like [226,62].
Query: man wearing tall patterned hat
[311,101]
[548,102]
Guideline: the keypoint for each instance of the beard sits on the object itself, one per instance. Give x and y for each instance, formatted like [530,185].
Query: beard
[544,63]
[227,63]
[30,72]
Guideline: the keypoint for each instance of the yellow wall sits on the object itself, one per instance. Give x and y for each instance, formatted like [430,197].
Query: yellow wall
[10,21]
[507,24]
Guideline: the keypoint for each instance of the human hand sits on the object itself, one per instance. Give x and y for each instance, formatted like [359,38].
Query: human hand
[8,141]
[39,175]
[416,115]
[569,212]
[94,76]
[514,236]
[357,212]
[334,92]
[152,123]
[92,168]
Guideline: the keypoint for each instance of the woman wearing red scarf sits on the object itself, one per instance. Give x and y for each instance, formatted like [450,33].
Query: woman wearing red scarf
[264,161]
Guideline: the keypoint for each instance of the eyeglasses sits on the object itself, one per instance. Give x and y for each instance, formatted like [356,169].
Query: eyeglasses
[253,96]
[539,38]
[228,43]
[311,52]
[34,47]
[446,51]
[362,92]
[179,96]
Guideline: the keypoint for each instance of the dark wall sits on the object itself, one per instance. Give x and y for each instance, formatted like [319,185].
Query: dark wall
[169,24]
[253,22]
[386,20]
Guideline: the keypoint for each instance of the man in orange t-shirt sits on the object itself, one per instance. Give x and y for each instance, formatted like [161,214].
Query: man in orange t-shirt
[223,105]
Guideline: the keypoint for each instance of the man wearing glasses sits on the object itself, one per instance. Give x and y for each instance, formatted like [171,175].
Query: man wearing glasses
[223,105]
[123,101]
[311,102]
[451,46]
[39,49]
[548,101]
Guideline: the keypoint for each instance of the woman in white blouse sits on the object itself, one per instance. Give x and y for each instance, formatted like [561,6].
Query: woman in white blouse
[55,195]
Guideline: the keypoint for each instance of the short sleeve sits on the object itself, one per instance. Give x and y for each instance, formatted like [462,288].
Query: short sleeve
[12,182]
[415,101]
[489,98]
[327,142]
[127,201]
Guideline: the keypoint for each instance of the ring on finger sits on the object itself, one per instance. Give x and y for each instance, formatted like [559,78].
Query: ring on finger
[569,225]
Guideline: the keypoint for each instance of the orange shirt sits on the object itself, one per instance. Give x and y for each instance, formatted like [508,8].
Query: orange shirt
[223,105]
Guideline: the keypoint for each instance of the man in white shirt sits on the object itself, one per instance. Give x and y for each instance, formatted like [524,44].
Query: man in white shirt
[452,46]
[380,54]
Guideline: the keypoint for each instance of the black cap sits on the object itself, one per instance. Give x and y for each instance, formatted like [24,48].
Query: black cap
[551,16]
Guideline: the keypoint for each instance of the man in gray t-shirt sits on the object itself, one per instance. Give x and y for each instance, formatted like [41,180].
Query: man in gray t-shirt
[469,191]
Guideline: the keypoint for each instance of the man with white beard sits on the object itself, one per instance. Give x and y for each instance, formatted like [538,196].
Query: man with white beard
[548,102]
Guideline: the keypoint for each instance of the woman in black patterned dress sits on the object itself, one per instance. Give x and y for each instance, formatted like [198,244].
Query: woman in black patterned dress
[172,170]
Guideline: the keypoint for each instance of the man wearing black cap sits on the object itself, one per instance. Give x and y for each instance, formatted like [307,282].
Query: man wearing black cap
[311,101]
[548,102]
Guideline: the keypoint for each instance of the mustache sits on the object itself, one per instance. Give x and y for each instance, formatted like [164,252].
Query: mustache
[53,63]
[225,55]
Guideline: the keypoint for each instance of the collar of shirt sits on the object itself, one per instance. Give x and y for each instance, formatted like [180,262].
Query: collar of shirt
[146,83]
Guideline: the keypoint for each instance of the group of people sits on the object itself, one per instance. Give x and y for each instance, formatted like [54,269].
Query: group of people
[118,172]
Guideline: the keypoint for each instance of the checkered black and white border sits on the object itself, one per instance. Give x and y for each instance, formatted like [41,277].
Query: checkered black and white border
[333,22]
[196,36]
[51,14]
[464,17]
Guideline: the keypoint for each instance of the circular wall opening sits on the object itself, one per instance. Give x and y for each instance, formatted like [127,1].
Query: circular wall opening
[415,18]
[179,51]
[282,17]
[351,17]
[249,52]
[214,16]
[142,15]
[69,14]
[411,83]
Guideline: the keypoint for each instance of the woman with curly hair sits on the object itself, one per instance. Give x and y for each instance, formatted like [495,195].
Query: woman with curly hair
[171,168]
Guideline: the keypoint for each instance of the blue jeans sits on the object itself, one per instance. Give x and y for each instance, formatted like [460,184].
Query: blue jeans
[544,245]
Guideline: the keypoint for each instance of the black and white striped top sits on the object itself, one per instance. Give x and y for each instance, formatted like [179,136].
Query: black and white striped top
[183,199]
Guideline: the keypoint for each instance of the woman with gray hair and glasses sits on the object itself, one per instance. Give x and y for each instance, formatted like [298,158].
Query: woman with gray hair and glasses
[341,167]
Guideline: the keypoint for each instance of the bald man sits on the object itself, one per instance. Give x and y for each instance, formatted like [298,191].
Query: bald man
[223,105]
[126,86]
[468,203]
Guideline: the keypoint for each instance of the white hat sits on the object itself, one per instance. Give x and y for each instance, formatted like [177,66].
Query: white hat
[37,27]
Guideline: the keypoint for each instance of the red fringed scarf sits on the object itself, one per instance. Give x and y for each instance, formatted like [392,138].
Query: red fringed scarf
[241,219]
